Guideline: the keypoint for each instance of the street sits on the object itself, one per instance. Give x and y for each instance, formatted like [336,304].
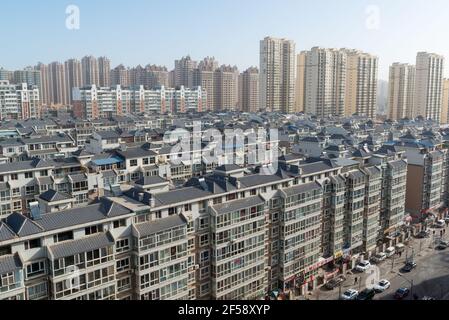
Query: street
[430,277]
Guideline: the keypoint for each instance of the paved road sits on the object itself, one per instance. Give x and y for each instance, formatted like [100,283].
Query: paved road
[430,277]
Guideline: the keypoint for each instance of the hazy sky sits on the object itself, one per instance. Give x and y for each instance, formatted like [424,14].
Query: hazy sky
[159,31]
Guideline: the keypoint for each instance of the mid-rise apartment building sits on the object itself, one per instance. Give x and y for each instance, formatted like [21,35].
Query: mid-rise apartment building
[93,103]
[249,90]
[19,101]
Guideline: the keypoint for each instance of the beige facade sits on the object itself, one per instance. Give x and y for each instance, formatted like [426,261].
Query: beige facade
[184,72]
[204,77]
[277,75]
[104,70]
[429,85]
[401,91]
[325,82]
[90,70]
[300,81]
[445,103]
[226,88]
[361,83]
[249,90]
[74,76]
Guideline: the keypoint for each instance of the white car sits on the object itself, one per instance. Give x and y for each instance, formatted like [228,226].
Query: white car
[440,224]
[350,294]
[379,257]
[382,285]
[362,266]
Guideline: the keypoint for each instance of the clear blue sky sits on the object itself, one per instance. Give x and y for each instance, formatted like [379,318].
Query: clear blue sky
[159,31]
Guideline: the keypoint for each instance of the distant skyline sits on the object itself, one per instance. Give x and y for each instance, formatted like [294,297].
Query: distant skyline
[158,32]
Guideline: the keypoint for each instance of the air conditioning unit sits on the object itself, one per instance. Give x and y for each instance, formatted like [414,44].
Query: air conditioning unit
[197,266]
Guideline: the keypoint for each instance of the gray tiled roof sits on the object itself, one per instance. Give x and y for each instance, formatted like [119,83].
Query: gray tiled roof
[21,225]
[78,177]
[356,174]
[257,179]
[93,213]
[10,263]
[232,206]
[44,180]
[133,153]
[314,167]
[179,195]
[51,195]
[148,228]
[307,187]
[146,181]
[6,233]
[73,247]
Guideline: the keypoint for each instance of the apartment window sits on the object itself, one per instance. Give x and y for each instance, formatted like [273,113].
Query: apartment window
[146,161]
[204,256]
[35,269]
[204,272]
[188,207]
[37,291]
[203,223]
[204,240]
[93,229]
[253,192]
[204,289]
[32,244]
[2,178]
[172,211]
[43,173]
[16,192]
[133,163]
[218,200]
[242,195]
[122,245]
[29,190]
[17,206]
[14,176]
[124,284]
[122,264]
[119,223]
[28,175]
[231,197]
[63,236]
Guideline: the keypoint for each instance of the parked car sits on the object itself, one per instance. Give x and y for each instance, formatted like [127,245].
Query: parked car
[382,285]
[444,243]
[379,257]
[441,246]
[446,219]
[423,234]
[409,266]
[335,282]
[400,247]
[367,294]
[362,266]
[439,224]
[427,298]
[350,294]
[401,293]
[390,251]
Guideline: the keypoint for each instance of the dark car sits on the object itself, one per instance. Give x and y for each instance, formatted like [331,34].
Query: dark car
[335,282]
[367,294]
[423,234]
[401,293]
[409,266]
